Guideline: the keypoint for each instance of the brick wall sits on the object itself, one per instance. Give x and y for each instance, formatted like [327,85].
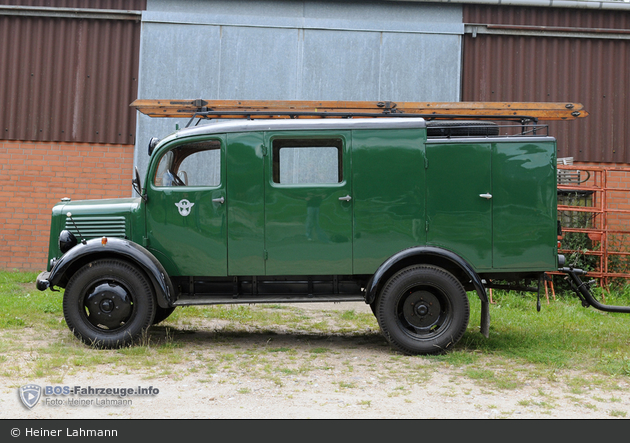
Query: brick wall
[34,176]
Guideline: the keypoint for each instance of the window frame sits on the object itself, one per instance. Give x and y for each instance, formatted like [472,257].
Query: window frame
[171,148]
[306,141]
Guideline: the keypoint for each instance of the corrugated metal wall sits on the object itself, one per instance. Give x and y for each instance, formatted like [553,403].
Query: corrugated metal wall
[128,5]
[69,79]
[299,50]
[590,67]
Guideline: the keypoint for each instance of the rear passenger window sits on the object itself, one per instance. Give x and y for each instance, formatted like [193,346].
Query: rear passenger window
[307,161]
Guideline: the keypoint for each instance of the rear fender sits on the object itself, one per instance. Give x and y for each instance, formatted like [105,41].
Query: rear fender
[425,255]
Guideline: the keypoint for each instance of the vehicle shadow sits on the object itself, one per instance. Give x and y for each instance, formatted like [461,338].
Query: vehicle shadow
[247,339]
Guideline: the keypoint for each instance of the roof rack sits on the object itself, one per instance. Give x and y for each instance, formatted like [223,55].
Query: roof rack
[524,112]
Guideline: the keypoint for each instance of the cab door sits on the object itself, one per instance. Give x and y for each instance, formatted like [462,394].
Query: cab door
[308,203]
[186,207]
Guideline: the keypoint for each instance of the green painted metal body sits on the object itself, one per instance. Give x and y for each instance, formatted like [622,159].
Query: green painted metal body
[404,190]
[122,217]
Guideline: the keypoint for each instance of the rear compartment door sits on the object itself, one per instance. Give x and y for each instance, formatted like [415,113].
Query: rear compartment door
[525,205]
[459,200]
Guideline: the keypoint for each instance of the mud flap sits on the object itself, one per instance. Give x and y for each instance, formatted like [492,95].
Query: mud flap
[485,319]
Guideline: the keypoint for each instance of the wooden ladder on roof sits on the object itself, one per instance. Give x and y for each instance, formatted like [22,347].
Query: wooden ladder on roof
[523,112]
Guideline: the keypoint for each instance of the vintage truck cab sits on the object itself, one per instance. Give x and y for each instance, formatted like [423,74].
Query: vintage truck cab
[400,213]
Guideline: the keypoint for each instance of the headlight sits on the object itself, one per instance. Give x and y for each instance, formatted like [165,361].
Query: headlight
[67,241]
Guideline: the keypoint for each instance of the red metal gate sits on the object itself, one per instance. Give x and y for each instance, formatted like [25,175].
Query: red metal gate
[594,203]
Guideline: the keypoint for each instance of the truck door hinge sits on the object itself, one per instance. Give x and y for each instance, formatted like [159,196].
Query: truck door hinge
[264,150]
[265,254]
[426,163]
[426,226]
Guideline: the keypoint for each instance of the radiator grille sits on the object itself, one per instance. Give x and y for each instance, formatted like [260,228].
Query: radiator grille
[95,227]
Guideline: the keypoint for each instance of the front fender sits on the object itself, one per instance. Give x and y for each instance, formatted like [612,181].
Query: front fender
[94,249]
[422,255]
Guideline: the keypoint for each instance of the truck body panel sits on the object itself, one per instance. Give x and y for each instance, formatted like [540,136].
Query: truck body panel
[388,193]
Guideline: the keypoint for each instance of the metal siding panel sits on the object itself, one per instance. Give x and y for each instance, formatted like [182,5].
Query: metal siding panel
[179,61]
[420,67]
[126,5]
[591,71]
[176,61]
[347,15]
[340,65]
[292,50]
[258,64]
[68,80]
[229,7]
[558,17]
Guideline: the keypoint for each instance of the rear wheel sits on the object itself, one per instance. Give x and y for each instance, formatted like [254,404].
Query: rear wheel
[423,310]
[108,304]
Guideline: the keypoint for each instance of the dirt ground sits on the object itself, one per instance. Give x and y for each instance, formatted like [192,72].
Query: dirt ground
[347,376]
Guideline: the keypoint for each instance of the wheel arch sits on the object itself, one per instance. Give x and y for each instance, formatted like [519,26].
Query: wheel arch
[117,248]
[427,255]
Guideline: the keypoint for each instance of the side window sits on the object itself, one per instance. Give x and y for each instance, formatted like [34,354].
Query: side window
[307,161]
[192,164]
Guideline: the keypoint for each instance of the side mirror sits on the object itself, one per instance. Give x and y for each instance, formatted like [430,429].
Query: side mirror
[137,185]
[152,144]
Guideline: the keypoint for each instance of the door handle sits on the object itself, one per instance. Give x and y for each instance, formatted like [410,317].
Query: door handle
[218,200]
[347,198]
[486,196]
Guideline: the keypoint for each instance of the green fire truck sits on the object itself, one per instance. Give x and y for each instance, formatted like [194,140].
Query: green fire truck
[405,213]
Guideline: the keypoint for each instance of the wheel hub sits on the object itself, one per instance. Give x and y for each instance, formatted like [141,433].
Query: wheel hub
[421,309]
[108,305]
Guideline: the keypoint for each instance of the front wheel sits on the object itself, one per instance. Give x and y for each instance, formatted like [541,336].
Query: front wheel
[423,310]
[108,304]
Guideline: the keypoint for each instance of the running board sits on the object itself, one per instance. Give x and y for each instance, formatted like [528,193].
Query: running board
[265,298]
[583,291]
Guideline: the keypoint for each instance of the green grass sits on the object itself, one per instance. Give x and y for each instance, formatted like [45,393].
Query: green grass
[562,335]
[22,305]
[293,341]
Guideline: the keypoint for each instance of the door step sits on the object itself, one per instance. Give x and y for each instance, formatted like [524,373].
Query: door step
[201,299]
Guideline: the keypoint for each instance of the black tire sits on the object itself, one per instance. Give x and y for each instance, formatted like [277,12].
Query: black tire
[161,314]
[109,304]
[453,128]
[423,310]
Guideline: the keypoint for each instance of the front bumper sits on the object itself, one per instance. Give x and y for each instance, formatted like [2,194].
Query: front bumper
[42,282]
